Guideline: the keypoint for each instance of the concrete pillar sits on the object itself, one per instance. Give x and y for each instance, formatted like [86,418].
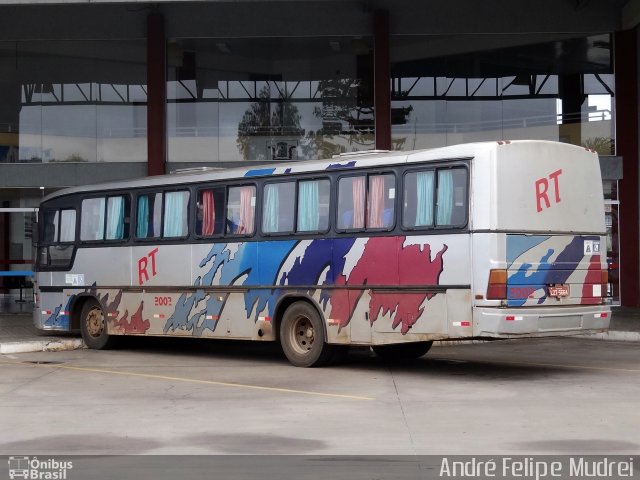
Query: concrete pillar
[156,95]
[382,79]
[626,75]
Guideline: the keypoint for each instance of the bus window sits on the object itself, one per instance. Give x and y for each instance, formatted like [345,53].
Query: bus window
[59,232]
[92,219]
[67,225]
[381,201]
[175,214]
[210,212]
[313,206]
[351,202]
[451,206]
[117,218]
[149,211]
[278,207]
[50,232]
[241,206]
[419,188]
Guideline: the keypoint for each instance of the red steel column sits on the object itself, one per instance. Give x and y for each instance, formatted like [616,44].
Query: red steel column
[156,95]
[382,79]
[626,77]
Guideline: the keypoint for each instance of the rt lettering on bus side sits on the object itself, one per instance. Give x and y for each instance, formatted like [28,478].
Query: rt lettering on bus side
[143,264]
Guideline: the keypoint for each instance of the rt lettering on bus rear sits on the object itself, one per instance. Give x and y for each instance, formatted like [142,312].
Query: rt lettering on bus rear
[542,186]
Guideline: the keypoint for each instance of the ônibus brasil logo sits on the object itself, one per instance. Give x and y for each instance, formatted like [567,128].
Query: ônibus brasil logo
[34,469]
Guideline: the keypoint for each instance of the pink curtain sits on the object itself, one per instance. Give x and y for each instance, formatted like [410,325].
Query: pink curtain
[246,210]
[208,213]
[358,202]
[376,201]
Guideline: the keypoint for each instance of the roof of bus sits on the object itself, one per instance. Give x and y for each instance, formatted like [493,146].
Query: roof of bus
[361,159]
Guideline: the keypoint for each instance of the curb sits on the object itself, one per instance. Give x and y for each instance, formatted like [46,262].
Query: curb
[59,345]
[614,335]
[29,346]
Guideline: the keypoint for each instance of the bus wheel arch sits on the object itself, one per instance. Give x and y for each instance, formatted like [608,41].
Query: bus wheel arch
[302,333]
[285,302]
[75,310]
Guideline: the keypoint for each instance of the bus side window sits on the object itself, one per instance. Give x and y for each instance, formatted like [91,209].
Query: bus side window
[417,211]
[278,207]
[148,214]
[117,218]
[210,212]
[50,233]
[313,206]
[241,207]
[381,201]
[175,223]
[92,219]
[351,203]
[451,204]
[67,225]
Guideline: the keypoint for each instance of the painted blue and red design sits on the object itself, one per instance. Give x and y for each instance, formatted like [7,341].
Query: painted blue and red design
[340,268]
[537,261]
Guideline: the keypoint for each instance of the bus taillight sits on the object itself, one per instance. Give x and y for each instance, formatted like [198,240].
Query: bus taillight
[497,288]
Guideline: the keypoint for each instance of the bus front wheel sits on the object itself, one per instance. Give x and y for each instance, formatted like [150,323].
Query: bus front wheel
[93,325]
[302,336]
[402,351]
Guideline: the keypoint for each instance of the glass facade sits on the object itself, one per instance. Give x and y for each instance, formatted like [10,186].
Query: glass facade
[448,90]
[73,101]
[268,98]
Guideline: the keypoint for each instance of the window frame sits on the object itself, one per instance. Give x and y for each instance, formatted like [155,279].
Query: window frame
[106,196]
[256,212]
[178,188]
[198,190]
[367,174]
[434,207]
[264,185]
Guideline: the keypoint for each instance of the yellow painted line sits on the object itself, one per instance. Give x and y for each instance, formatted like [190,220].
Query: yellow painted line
[539,364]
[195,380]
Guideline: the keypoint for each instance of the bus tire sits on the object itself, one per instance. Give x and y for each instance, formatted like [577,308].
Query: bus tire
[302,336]
[93,326]
[402,351]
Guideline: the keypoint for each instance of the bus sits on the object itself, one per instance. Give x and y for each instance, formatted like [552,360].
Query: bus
[387,249]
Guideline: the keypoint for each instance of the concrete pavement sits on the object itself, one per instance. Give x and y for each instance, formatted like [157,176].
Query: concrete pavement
[18,335]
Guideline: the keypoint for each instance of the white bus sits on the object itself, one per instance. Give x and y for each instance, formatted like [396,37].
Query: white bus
[391,250]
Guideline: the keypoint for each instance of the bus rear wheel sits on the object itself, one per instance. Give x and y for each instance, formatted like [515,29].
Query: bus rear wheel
[402,351]
[302,336]
[93,325]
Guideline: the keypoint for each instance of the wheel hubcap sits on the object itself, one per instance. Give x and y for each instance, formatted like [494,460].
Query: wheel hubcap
[303,335]
[95,322]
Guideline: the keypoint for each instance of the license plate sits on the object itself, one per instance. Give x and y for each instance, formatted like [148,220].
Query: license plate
[558,290]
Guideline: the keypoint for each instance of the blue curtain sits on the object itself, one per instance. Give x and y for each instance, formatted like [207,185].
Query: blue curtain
[445,197]
[115,218]
[308,207]
[270,214]
[142,226]
[424,209]
[175,214]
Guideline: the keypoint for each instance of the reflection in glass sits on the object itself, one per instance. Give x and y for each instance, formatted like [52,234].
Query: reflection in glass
[268,99]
